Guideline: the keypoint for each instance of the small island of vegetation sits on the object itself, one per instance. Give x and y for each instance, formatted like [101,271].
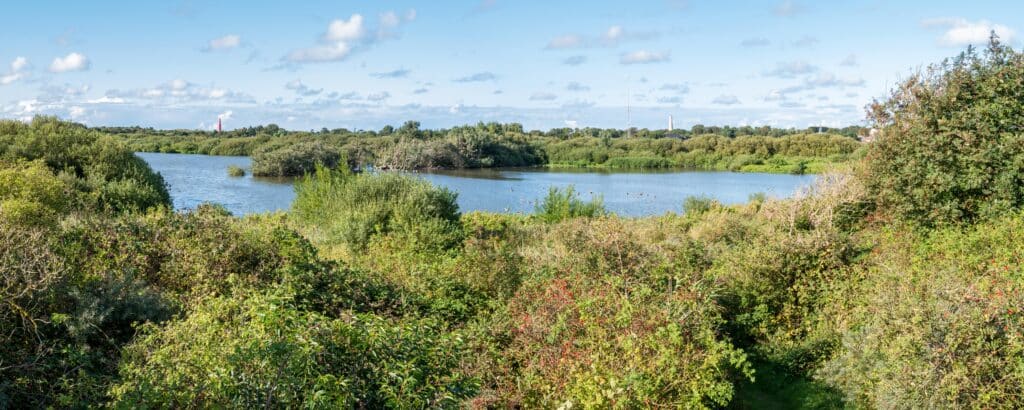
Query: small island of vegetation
[236,171]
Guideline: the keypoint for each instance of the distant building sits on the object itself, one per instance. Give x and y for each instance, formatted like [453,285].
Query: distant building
[219,128]
[670,125]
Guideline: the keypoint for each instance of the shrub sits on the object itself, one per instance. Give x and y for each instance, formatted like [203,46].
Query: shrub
[950,150]
[936,321]
[339,207]
[293,160]
[259,351]
[100,173]
[560,204]
[605,322]
[697,205]
[31,195]
[236,171]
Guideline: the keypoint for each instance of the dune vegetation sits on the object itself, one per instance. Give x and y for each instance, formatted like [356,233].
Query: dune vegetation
[895,282]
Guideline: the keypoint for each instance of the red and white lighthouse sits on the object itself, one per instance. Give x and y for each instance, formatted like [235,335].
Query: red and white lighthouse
[219,129]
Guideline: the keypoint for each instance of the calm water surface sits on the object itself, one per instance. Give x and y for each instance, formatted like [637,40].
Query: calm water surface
[194,179]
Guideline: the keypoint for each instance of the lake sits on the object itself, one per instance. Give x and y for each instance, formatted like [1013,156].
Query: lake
[195,179]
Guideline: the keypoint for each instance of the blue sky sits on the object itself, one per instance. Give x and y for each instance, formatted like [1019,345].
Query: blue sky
[363,64]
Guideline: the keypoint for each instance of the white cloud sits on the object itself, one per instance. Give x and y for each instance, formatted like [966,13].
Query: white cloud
[676,88]
[824,80]
[787,8]
[319,54]
[10,78]
[341,30]
[726,100]
[179,91]
[756,42]
[343,37]
[478,77]
[178,84]
[227,42]
[791,69]
[543,97]
[76,112]
[961,32]
[107,100]
[389,19]
[849,61]
[645,57]
[71,62]
[575,60]
[377,97]
[576,86]
[805,41]
[226,115]
[612,37]
[614,33]
[566,41]
[821,80]
[215,93]
[397,73]
[18,64]
[302,89]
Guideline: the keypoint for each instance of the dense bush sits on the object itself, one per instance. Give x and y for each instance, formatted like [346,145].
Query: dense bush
[605,322]
[293,160]
[950,148]
[262,352]
[937,322]
[80,291]
[31,194]
[98,172]
[341,208]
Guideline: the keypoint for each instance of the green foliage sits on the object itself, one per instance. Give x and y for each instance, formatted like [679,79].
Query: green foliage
[293,160]
[562,204]
[262,352]
[31,195]
[97,173]
[949,149]
[937,320]
[607,323]
[339,207]
[236,171]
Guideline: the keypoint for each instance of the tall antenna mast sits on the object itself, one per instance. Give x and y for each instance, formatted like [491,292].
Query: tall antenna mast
[629,115]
